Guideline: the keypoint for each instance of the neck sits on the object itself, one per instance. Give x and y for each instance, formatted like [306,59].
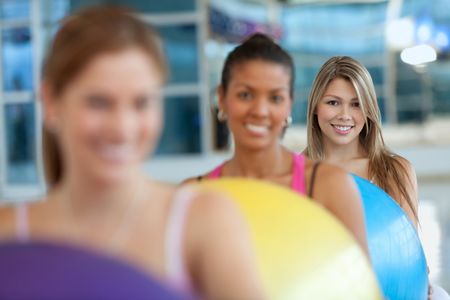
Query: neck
[338,154]
[85,196]
[260,163]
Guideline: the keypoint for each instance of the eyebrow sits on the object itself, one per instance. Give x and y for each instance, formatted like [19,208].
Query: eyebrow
[334,96]
[251,88]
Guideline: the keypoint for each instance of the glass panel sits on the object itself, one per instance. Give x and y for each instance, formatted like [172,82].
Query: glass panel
[166,6]
[410,116]
[77,4]
[441,100]
[21,149]
[48,33]
[299,111]
[381,104]
[143,6]
[180,43]
[14,9]
[54,10]
[354,29]
[182,126]
[17,59]
[377,73]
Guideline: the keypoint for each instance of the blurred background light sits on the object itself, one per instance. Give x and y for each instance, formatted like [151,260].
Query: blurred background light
[442,39]
[418,55]
[400,34]
[424,32]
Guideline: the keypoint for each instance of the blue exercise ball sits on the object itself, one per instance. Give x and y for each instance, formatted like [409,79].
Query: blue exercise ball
[43,270]
[394,246]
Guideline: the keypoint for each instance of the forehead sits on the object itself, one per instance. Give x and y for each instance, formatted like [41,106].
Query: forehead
[341,87]
[129,67]
[260,72]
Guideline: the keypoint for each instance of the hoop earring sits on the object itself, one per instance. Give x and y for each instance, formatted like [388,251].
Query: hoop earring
[221,116]
[288,121]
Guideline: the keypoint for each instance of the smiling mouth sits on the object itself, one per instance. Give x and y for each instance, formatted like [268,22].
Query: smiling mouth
[116,154]
[342,129]
[258,129]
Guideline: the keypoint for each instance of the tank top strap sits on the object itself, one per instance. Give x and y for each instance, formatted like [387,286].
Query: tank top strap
[298,173]
[313,179]
[22,224]
[216,173]
[175,265]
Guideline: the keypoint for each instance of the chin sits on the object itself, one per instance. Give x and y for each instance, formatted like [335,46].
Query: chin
[110,174]
[113,178]
[256,145]
[343,142]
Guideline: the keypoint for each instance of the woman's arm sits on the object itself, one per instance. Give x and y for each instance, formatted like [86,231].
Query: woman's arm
[337,191]
[219,254]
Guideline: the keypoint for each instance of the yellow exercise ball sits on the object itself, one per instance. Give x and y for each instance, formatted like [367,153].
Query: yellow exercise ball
[303,252]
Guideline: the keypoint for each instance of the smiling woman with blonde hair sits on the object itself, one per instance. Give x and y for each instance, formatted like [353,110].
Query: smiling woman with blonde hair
[344,128]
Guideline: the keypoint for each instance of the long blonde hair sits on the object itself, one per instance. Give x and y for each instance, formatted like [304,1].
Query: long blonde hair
[385,168]
[83,36]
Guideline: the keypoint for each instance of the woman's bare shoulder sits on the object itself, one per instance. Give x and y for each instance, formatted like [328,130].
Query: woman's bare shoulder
[332,181]
[204,198]
[7,220]
[164,191]
[207,204]
[328,172]
[11,211]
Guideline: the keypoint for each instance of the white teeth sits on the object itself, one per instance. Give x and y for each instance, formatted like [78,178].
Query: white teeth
[121,152]
[257,128]
[343,128]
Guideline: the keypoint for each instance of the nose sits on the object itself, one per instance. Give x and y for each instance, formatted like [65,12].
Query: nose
[121,125]
[344,113]
[260,107]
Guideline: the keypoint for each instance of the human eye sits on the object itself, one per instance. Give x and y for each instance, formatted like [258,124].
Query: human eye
[98,102]
[146,100]
[332,102]
[355,104]
[143,102]
[277,98]
[244,95]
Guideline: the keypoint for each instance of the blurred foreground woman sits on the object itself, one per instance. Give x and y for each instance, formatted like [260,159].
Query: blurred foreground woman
[102,97]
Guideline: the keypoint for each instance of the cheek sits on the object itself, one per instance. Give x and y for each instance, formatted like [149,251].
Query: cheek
[151,124]
[77,125]
[87,126]
[323,114]
[232,108]
[282,114]
[235,112]
[360,117]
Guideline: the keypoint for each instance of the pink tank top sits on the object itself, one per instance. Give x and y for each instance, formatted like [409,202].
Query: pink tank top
[298,173]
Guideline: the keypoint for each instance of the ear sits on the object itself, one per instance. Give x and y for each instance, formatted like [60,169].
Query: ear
[291,103]
[49,107]
[221,98]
